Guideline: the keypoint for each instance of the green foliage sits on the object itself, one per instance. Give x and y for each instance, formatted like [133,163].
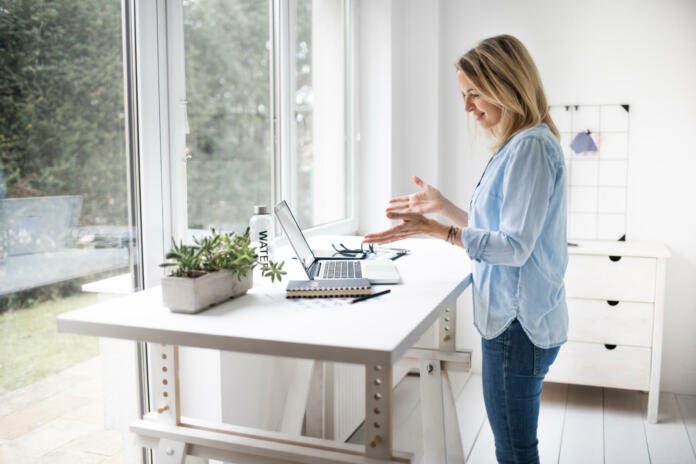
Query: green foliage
[208,251]
[219,251]
[186,259]
[273,270]
[236,254]
[32,349]
[61,104]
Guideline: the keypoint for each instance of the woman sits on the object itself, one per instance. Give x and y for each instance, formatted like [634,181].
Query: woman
[514,233]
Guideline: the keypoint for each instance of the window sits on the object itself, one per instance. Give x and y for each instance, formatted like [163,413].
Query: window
[66,224]
[229,142]
[259,92]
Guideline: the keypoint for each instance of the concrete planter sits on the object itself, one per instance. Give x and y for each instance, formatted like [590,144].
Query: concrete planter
[191,295]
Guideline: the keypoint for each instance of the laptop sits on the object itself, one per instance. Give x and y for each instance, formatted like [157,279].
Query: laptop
[376,271]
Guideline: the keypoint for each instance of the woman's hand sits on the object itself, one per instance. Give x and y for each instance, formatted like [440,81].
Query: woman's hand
[411,224]
[428,200]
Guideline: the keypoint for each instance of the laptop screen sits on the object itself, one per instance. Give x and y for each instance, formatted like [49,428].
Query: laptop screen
[294,234]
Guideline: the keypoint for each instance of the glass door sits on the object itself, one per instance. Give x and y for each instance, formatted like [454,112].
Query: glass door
[67,238]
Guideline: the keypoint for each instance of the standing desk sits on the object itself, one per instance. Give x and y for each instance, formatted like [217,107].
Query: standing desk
[375,333]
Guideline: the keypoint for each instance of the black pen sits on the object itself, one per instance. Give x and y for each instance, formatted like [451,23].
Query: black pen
[367,297]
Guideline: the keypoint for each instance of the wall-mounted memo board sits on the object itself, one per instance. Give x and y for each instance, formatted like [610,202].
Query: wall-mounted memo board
[597,181]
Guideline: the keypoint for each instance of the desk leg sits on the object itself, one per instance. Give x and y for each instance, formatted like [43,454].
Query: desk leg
[297,397]
[378,412]
[171,452]
[448,344]
[315,403]
[453,437]
[432,411]
[164,376]
[441,436]
[447,325]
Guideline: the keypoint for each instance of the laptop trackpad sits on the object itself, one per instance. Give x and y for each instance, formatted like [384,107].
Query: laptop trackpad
[381,272]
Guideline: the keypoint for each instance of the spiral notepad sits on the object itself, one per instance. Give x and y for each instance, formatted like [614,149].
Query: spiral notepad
[328,288]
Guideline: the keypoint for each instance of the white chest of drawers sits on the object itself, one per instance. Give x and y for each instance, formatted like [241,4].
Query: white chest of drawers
[615,294]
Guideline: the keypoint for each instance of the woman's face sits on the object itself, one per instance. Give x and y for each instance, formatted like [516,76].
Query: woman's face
[486,113]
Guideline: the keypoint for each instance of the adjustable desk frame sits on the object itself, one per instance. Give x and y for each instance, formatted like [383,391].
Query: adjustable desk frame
[173,436]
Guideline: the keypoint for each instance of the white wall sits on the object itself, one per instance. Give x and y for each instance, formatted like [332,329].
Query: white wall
[374,108]
[642,53]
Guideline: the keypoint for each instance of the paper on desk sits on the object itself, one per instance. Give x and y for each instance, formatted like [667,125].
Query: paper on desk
[308,303]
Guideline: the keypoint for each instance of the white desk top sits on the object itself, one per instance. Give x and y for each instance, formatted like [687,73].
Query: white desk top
[376,331]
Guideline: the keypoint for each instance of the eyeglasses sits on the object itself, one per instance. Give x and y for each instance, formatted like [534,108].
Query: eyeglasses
[358,253]
[362,252]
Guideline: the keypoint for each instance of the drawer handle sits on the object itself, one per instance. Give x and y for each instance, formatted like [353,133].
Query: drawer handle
[612,302]
[609,347]
[615,258]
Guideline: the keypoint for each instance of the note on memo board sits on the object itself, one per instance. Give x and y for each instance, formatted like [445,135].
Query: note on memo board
[596,180]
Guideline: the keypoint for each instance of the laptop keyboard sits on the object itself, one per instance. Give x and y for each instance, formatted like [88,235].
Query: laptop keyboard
[341,270]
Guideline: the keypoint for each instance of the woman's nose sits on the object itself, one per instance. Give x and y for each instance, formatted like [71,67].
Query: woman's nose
[469,105]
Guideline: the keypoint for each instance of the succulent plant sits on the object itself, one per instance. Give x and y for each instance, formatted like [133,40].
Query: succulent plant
[219,251]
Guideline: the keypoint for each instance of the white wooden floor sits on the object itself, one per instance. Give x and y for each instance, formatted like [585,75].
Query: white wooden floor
[577,424]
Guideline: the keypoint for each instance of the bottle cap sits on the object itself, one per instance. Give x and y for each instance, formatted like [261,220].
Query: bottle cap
[260,209]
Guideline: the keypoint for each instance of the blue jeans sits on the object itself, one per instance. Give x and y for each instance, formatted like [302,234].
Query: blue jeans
[513,370]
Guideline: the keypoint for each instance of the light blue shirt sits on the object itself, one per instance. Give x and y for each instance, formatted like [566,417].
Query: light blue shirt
[517,240]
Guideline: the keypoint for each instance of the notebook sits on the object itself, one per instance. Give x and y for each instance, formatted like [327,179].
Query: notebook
[327,288]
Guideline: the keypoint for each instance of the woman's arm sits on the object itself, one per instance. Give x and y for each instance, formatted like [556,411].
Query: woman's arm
[455,214]
[439,230]
[413,224]
[428,200]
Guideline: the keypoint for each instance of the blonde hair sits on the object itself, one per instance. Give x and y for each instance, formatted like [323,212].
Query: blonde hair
[503,71]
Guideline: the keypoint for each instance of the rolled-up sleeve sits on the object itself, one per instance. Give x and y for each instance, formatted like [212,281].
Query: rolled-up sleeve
[527,186]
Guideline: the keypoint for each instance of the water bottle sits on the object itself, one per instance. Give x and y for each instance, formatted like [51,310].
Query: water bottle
[261,232]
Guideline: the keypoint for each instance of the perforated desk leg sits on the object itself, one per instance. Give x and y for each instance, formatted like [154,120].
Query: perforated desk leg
[165,403]
[378,412]
[448,329]
[164,378]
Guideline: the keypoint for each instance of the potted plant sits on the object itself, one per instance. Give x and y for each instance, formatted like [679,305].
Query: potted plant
[215,268]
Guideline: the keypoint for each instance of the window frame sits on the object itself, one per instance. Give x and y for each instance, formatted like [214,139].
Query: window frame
[149,47]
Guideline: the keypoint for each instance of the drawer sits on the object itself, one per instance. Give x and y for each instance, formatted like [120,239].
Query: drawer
[614,322]
[609,278]
[593,364]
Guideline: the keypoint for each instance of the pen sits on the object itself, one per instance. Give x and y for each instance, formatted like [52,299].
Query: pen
[398,250]
[367,297]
